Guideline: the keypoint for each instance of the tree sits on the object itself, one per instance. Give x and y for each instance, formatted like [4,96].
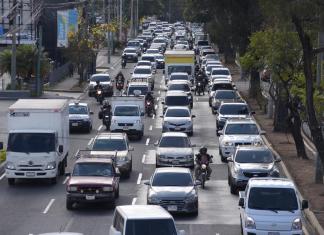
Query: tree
[26,62]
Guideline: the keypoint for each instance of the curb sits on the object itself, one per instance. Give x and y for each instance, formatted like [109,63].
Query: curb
[63,90]
[2,166]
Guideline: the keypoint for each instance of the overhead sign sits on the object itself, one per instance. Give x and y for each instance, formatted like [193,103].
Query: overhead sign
[67,21]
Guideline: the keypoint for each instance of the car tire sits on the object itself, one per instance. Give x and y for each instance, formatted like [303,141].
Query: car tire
[62,167]
[140,135]
[69,205]
[89,129]
[190,133]
[195,213]
[117,193]
[11,181]
[54,180]
[233,188]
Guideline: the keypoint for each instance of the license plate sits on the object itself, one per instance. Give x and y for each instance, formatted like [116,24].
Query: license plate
[175,162]
[30,174]
[273,233]
[177,128]
[90,197]
[172,208]
[74,124]
[125,128]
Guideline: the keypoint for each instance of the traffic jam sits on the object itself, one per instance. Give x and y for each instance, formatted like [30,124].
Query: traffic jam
[172,82]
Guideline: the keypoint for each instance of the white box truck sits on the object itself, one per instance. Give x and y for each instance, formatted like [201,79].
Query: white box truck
[38,141]
[128,115]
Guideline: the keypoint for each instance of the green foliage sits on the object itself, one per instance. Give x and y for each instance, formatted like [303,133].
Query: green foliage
[2,155]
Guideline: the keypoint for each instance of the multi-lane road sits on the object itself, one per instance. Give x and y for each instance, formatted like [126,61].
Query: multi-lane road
[33,207]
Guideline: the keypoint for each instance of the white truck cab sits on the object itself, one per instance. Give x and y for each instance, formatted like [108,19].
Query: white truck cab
[143,219]
[270,206]
[38,141]
[128,115]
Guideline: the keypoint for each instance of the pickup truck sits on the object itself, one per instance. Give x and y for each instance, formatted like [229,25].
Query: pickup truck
[128,115]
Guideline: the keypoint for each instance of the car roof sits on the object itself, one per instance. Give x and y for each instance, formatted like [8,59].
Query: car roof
[143,67]
[143,61]
[176,134]
[179,73]
[143,212]
[111,136]
[233,103]
[178,82]
[94,159]
[133,48]
[100,74]
[241,121]
[220,68]
[254,148]
[176,93]
[172,170]
[178,107]
[135,83]
[225,80]
[78,104]
[271,183]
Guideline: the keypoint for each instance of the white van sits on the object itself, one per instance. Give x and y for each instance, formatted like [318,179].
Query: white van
[271,206]
[143,220]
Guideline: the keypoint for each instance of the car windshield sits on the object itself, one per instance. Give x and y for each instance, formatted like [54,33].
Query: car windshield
[234,109]
[130,51]
[278,199]
[159,57]
[212,56]
[177,113]
[31,142]
[159,40]
[220,72]
[152,51]
[78,109]
[109,145]
[172,179]
[179,69]
[174,142]
[92,169]
[179,77]
[142,89]
[149,58]
[133,44]
[241,129]
[100,78]
[207,53]
[179,87]
[142,63]
[202,43]
[142,71]
[222,86]
[150,226]
[223,95]
[254,156]
[176,100]
[126,111]
[210,67]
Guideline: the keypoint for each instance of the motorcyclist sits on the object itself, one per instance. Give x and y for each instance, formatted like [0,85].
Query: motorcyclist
[197,68]
[199,78]
[203,158]
[149,97]
[205,78]
[98,86]
[105,111]
[120,77]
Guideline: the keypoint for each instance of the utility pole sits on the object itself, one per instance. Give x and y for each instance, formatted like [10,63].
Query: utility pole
[120,19]
[132,18]
[109,34]
[39,82]
[13,18]
[136,20]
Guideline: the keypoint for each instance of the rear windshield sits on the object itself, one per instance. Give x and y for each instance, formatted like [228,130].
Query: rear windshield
[176,100]
[276,199]
[172,179]
[222,86]
[254,156]
[177,113]
[109,145]
[174,142]
[126,111]
[100,78]
[179,69]
[234,109]
[226,95]
[133,44]
[179,77]
[203,43]
[207,53]
[241,129]
[150,227]
[179,87]
[149,58]
[142,71]
[220,72]
[130,51]
[143,89]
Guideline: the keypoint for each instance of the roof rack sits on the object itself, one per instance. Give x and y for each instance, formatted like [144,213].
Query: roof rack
[95,154]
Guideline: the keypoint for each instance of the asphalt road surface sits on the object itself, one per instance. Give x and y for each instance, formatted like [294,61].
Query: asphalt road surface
[33,207]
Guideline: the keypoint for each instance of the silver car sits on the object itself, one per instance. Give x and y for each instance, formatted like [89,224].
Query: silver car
[250,162]
[174,149]
[174,189]
[178,118]
[80,117]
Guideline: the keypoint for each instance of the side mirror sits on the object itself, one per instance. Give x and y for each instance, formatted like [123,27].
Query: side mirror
[67,174]
[304,204]
[229,159]
[113,231]
[117,172]
[91,112]
[60,149]
[193,116]
[142,114]
[220,132]
[147,182]
[1,145]
[130,148]
[181,232]
[162,102]
[156,143]
[262,132]
[161,116]
[193,145]
[278,160]
[252,112]
[197,182]
[241,202]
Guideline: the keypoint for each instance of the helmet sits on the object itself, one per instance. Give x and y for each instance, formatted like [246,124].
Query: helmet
[98,82]
[203,150]
[106,103]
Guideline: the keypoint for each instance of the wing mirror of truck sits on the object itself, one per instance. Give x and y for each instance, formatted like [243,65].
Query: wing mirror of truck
[91,112]
[60,149]
[262,132]
[146,182]
[220,132]
[117,172]
[304,204]
[1,145]
[229,159]
[241,202]
[113,231]
[130,148]
[67,174]
[142,114]
[163,71]
[181,232]
[278,160]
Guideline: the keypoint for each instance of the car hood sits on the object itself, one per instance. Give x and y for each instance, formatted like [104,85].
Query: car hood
[177,120]
[78,116]
[255,166]
[241,138]
[92,83]
[174,151]
[139,75]
[110,153]
[232,116]
[171,192]
[128,53]
[90,180]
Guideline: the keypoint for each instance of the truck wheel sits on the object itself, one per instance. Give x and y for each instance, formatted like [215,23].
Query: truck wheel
[53,180]
[62,167]
[140,135]
[69,205]
[11,181]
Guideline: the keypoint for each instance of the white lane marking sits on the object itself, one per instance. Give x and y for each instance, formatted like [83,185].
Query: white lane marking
[99,128]
[155,107]
[134,201]
[153,116]
[143,158]
[310,148]
[217,233]
[1,177]
[90,141]
[159,92]
[151,127]
[147,141]
[49,206]
[65,180]
[139,178]
[196,98]
[158,99]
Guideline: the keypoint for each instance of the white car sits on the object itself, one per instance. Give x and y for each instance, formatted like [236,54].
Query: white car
[221,71]
[271,206]
[144,72]
[105,82]
[238,132]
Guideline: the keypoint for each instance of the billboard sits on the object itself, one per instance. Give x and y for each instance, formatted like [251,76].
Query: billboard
[67,21]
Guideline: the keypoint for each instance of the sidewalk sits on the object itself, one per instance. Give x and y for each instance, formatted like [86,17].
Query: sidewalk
[302,171]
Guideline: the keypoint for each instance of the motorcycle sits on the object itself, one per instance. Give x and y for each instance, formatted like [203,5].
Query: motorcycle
[99,96]
[149,108]
[199,88]
[119,85]
[123,63]
[106,121]
[202,177]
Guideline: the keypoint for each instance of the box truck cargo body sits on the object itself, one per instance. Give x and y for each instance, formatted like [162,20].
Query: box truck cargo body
[38,141]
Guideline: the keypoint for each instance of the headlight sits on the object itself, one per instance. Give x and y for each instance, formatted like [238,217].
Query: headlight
[192,196]
[122,159]
[86,119]
[236,169]
[51,166]
[138,121]
[10,166]
[227,143]
[107,189]
[72,188]
[249,223]
[297,224]
[257,143]
[161,156]
[166,123]
[190,156]
[153,200]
